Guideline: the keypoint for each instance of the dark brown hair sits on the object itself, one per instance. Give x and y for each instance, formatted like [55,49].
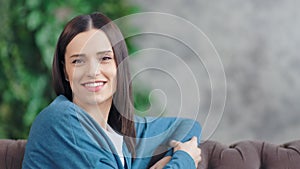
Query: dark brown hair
[121,112]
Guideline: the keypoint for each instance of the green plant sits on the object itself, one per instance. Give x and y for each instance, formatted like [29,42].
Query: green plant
[30,29]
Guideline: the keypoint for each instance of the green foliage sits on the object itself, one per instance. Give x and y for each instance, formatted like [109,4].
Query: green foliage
[30,29]
[141,101]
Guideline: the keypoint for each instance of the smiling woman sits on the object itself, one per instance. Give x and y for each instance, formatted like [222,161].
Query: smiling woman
[91,123]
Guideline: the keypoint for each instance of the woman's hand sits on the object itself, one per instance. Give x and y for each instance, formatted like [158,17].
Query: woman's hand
[191,147]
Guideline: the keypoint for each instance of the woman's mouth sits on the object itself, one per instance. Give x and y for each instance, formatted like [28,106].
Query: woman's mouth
[94,86]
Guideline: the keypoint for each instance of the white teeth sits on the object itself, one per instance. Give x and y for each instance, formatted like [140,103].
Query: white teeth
[94,84]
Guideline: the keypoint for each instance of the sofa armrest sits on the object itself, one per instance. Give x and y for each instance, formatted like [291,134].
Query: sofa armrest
[11,153]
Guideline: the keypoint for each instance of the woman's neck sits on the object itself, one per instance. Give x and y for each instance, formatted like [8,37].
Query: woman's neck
[99,112]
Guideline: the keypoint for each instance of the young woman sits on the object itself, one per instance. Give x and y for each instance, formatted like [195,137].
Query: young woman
[91,123]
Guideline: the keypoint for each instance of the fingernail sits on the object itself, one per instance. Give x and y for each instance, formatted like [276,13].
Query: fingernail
[173,143]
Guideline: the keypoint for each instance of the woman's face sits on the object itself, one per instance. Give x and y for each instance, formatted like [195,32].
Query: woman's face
[90,68]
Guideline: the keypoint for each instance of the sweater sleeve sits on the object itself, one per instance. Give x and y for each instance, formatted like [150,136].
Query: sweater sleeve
[156,133]
[181,159]
[184,132]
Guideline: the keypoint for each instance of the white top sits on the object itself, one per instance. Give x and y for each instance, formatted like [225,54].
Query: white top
[117,140]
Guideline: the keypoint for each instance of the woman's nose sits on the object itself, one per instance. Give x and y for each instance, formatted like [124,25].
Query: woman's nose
[94,69]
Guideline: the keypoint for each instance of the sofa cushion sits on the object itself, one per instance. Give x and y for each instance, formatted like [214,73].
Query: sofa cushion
[250,155]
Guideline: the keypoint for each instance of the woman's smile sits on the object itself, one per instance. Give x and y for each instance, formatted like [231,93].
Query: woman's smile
[95,86]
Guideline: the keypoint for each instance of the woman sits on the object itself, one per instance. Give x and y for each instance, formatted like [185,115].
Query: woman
[91,123]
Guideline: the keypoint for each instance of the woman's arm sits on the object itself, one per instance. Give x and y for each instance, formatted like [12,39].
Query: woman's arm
[190,147]
[154,136]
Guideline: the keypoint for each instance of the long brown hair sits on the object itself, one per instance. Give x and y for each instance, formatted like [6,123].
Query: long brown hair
[120,116]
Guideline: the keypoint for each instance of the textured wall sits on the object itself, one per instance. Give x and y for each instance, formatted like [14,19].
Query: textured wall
[258,43]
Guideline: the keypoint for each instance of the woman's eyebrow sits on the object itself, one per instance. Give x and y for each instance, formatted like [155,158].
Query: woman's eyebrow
[98,53]
[103,52]
[77,55]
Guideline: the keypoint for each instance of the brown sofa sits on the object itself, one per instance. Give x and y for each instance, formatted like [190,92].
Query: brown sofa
[11,153]
[242,155]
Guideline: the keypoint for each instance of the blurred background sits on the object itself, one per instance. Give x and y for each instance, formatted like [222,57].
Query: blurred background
[258,44]
[256,41]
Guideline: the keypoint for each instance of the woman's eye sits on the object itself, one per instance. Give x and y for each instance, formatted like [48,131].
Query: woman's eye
[77,61]
[105,58]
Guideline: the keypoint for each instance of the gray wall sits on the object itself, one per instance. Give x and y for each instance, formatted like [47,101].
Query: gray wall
[258,43]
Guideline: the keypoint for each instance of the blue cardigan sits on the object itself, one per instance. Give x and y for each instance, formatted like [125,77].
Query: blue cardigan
[65,136]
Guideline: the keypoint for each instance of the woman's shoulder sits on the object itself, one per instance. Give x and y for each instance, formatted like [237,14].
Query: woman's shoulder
[56,113]
[59,106]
